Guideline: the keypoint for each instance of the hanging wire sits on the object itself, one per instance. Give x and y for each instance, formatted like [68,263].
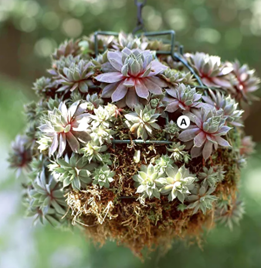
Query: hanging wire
[140,24]
[176,56]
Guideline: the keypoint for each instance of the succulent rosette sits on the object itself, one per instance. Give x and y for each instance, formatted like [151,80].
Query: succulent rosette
[245,82]
[64,125]
[182,97]
[206,133]
[103,149]
[130,75]
[211,70]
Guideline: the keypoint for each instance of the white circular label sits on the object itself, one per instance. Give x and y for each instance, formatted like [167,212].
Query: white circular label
[183,122]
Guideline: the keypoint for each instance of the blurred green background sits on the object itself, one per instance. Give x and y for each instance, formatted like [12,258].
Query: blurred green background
[29,32]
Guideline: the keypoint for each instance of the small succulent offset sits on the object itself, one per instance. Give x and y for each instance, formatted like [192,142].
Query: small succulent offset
[227,104]
[64,125]
[142,122]
[131,74]
[46,193]
[102,122]
[182,97]
[201,198]
[103,176]
[76,76]
[21,154]
[93,101]
[177,183]
[245,83]
[46,201]
[44,86]
[67,48]
[59,65]
[178,153]
[128,40]
[104,134]
[171,129]
[74,171]
[175,77]
[211,70]
[93,151]
[206,133]
[247,146]
[103,116]
[147,181]
[230,212]
[211,176]
[163,162]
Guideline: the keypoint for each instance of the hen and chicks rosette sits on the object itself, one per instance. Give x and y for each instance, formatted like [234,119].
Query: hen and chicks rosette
[140,194]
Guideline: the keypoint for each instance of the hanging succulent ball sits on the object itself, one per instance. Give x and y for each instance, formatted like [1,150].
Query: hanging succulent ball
[102,148]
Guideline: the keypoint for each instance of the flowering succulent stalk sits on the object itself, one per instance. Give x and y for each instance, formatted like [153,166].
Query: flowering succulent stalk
[64,125]
[143,121]
[206,133]
[131,74]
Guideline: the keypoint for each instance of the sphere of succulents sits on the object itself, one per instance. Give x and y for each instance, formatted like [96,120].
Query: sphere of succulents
[102,149]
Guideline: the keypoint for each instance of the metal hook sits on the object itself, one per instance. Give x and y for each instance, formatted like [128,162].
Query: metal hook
[140,24]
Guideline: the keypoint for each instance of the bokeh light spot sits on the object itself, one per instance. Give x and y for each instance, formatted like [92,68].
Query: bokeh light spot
[50,20]
[208,35]
[233,38]
[27,24]
[72,27]
[176,18]
[44,47]
[200,13]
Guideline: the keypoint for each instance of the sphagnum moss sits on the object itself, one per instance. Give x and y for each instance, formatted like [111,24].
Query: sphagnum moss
[141,195]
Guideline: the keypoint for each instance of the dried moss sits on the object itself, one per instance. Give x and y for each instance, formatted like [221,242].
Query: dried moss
[116,214]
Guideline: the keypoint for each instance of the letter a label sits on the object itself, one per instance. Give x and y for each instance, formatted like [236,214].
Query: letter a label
[183,122]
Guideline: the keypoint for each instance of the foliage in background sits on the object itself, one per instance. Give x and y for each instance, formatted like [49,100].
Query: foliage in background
[229,29]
